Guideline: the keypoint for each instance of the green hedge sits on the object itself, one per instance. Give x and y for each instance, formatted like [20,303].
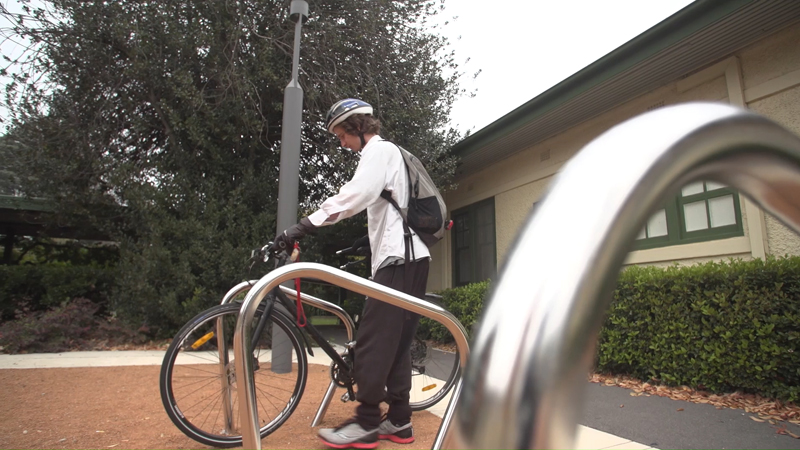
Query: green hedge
[38,287]
[466,303]
[717,326]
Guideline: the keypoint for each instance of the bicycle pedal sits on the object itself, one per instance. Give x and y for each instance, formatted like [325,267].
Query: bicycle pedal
[345,397]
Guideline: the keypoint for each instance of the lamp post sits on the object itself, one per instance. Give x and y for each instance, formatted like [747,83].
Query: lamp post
[289,179]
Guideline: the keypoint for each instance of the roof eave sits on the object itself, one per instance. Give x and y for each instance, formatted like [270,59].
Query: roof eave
[665,34]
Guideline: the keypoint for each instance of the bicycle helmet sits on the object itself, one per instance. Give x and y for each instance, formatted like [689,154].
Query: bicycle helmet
[343,109]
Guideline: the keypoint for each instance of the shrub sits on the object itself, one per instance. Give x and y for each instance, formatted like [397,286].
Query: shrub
[716,326]
[73,325]
[465,302]
[38,287]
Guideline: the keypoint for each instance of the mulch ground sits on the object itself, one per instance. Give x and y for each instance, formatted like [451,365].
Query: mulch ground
[120,408]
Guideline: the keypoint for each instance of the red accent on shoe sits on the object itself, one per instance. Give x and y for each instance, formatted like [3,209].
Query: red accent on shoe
[353,445]
[396,439]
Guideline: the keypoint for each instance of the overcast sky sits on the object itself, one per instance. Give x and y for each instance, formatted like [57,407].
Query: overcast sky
[524,47]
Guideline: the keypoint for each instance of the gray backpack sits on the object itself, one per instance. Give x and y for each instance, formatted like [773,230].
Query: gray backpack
[426,212]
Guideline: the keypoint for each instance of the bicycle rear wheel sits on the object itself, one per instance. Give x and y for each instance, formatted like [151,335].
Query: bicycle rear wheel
[434,366]
[198,382]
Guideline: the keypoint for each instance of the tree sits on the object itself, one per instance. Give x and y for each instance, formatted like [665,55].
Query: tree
[160,122]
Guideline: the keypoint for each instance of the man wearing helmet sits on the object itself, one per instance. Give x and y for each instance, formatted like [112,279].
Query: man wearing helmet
[383,362]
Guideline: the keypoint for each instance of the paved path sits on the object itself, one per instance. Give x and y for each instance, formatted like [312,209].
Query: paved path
[587,438]
[661,422]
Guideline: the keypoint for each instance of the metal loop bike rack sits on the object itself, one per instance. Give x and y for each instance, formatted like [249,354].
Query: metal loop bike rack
[251,438]
[336,310]
[535,344]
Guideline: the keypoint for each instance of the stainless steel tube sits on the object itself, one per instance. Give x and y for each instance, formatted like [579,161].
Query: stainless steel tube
[244,286]
[310,300]
[323,405]
[222,348]
[241,340]
[332,308]
[536,341]
[225,380]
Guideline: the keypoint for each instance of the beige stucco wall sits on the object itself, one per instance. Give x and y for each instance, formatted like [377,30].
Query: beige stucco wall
[512,203]
[772,57]
[784,108]
[757,76]
[775,63]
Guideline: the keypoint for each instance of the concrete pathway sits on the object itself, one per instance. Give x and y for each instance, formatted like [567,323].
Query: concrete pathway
[586,438]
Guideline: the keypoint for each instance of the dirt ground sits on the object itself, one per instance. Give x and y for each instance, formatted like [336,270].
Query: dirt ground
[120,408]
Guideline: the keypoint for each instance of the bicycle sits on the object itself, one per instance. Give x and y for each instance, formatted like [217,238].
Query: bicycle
[197,380]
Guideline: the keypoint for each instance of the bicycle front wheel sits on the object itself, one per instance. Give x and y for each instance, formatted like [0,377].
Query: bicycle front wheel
[198,381]
[434,366]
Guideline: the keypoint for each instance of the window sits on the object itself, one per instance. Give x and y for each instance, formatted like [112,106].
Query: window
[702,211]
[474,250]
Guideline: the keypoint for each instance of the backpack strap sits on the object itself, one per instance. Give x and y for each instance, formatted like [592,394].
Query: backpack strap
[407,239]
[411,185]
[406,229]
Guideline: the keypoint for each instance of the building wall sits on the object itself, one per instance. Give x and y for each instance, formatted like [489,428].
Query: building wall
[784,108]
[765,77]
[771,73]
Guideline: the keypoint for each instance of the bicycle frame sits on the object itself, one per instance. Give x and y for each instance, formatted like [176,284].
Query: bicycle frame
[309,300]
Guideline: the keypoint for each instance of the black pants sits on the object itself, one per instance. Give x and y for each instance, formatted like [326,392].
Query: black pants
[383,357]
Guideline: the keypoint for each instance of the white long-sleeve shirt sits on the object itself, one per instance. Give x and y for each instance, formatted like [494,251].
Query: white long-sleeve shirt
[381,167]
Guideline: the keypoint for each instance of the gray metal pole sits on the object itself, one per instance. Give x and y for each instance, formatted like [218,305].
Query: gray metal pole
[289,180]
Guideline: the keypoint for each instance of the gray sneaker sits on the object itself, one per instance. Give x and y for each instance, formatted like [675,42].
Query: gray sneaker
[349,435]
[403,434]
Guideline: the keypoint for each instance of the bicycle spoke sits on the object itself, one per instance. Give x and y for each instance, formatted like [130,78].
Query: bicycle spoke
[195,380]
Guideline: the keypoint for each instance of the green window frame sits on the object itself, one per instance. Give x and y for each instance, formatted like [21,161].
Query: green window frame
[700,212]
[474,246]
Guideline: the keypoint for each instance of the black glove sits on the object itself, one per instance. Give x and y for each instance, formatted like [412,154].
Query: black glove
[361,243]
[286,240]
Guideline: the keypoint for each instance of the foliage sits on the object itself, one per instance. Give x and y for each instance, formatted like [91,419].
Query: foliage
[8,182]
[716,326]
[465,303]
[38,287]
[73,325]
[719,326]
[61,252]
[159,123]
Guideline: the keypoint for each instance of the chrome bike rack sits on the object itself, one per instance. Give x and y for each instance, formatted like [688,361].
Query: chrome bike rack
[334,309]
[248,412]
[310,300]
[536,341]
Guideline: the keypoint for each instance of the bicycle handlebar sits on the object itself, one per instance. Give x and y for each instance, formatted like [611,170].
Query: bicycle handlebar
[266,252]
[360,251]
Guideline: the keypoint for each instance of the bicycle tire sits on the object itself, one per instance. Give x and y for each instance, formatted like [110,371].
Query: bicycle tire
[191,379]
[434,371]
